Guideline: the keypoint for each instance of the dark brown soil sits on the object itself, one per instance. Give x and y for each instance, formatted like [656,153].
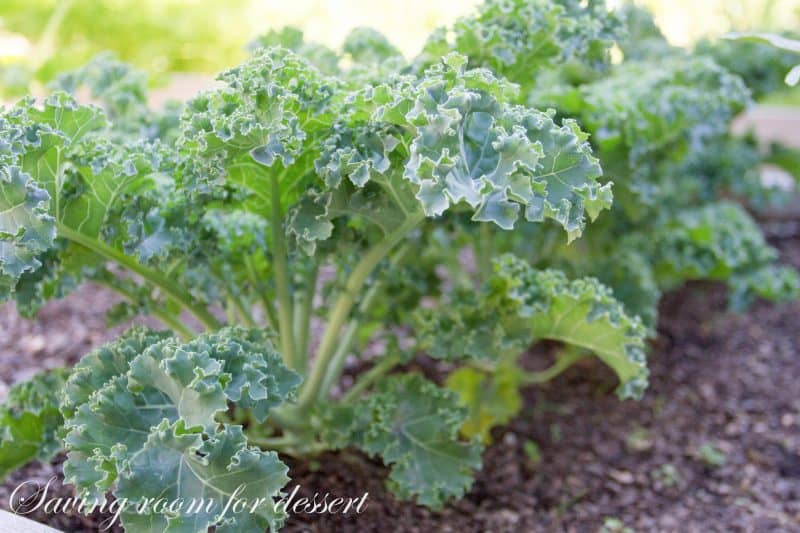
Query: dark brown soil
[713,446]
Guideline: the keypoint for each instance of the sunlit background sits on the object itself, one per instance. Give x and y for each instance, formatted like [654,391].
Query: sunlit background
[41,37]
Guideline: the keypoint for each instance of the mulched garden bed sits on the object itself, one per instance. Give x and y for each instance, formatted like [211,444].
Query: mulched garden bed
[713,446]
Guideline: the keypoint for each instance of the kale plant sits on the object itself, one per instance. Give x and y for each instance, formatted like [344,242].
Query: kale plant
[344,193]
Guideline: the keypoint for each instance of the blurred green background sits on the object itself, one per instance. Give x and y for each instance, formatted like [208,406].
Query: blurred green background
[39,38]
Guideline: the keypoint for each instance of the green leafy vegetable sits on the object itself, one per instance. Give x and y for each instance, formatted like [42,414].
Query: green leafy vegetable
[31,421]
[492,399]
[780,42]
[139,410]
[319,204]
[413,425]
[521,304]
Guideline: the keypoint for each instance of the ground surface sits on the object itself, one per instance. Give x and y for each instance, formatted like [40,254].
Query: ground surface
[714,445]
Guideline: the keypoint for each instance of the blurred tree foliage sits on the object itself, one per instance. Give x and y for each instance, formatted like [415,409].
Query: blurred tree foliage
[159,36]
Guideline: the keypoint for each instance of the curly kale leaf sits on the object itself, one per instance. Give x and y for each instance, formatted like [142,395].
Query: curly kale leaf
[517,39]
[117,86]
[322,57]
[366,45]
[238,233]
[720,242]
[414,429]
[642,39]
[184,464]
[413,426]
[499,159]
[148,398]
[521,304]
[728,165]
[771,282]
[91,191]
[647,122]
[780,42]
[31,421]
[760,65]
[459,143]
[491,398]
[269,111]
[26,227]
[629,274]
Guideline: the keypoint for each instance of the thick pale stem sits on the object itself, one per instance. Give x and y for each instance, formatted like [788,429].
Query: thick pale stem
[346,343]
[280,264]
[344,304]
[369,377]
[266,303]
[303,313]
[230,311]
[172,322]
[164,284]
[243,311]
[563,362]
